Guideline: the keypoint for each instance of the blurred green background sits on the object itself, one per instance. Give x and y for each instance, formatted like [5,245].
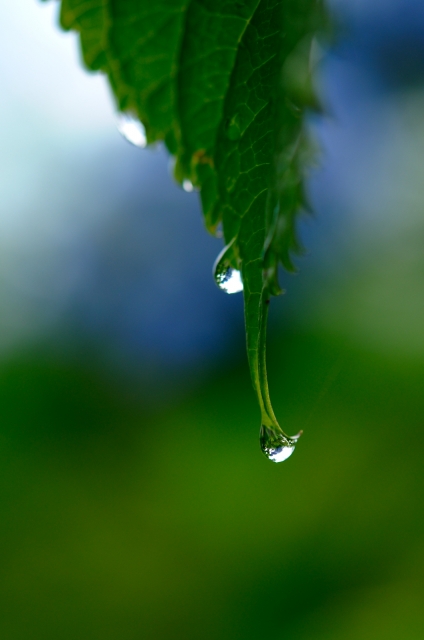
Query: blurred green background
[135,502]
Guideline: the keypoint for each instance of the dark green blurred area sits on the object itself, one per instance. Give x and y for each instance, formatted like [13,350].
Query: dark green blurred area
[118,521]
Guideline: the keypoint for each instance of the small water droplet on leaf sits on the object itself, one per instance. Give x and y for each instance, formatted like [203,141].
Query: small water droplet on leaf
[188,186]
[230,280]
[132,129]
[275,445]
[226,276]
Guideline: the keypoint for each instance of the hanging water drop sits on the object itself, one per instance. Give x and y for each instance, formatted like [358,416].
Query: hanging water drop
[226,276]
[229,280]
[275,445]
[132,129]
[188,186]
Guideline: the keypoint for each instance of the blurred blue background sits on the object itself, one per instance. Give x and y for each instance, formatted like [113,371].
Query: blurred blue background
[135,502]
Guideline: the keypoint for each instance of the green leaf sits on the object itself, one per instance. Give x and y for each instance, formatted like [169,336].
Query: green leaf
[225,84]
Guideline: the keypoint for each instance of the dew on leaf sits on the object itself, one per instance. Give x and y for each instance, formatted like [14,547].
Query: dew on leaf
[229,280]
[132,129]
[226,276]
[275,445]
[188,186]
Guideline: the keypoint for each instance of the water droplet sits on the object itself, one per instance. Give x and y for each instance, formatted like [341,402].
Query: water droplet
[226,277]
[230,280]
[132,129]
[275,445]
[188,186]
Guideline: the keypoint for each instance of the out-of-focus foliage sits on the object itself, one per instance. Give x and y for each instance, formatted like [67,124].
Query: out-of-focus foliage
[123,522]
[225,84]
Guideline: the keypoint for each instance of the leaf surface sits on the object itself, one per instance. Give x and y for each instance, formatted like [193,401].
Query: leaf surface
[225,84]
